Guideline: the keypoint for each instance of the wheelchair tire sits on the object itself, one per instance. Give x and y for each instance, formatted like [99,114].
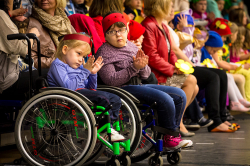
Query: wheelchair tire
[55,127]
[101,149]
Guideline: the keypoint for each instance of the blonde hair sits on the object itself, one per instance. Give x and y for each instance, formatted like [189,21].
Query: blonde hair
[59,3]
[238,44]
[157,8]
[233,27]
[246,44]
[72,44]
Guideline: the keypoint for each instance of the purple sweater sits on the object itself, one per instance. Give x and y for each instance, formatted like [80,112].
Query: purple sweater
[118,65]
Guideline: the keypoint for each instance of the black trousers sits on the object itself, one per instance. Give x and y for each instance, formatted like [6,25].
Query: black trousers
[19,89]
[214,81]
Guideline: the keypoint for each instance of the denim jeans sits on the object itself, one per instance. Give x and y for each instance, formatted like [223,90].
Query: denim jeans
[104,99]
[193,111]
[170,101]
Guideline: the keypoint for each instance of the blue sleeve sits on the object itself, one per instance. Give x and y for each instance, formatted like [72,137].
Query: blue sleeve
[205,54]
[60,76]
[91,83]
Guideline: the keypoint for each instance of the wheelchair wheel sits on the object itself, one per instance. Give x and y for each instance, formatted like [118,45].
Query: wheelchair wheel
[130,128]
[55,127]
[146,148]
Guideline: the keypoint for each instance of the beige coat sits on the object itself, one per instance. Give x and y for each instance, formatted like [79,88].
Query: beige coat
[48,48]
[9,52]
[181,5]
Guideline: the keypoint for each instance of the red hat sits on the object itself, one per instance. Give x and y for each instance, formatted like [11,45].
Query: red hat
[78,37]
[135,30]
[111,19]
[221,26]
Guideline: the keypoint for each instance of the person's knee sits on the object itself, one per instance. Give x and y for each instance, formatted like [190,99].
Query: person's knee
[196,90]
[191,80]
[241,79]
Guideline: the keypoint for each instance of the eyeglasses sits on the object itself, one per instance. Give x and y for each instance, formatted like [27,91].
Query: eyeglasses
[114,32]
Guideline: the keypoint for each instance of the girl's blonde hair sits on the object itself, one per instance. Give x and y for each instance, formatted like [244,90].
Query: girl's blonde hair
[72,44]
[157,8]
[233,27]
[237,16]
[246,44]
[238,44]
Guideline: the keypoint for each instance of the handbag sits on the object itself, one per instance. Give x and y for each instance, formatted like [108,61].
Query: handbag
[150,80]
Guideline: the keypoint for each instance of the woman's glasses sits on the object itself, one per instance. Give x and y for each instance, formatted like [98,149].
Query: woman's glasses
[114,32]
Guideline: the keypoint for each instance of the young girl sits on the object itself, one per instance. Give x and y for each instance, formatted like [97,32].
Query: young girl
[220,4]
[234,57]
[238,103]
[199,10]
[69,70]
[124,66]
[132,9]
[238,16]
[246,44]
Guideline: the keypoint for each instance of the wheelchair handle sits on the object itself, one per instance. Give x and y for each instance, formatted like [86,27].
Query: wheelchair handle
[33,36]
[21,36]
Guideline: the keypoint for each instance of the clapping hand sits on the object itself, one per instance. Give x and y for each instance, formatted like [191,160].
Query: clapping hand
[97,65]
[141,60]
[183,21]
[89,64]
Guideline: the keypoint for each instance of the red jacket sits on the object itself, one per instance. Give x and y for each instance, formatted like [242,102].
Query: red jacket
[83,23]
[155,46]
[98,26]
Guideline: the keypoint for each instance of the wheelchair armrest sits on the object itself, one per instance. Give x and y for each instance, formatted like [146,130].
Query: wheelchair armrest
[41,82]
[85,99]
[105,87]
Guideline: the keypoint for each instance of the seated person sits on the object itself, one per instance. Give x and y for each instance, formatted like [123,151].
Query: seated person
[11,80]
[124,66]
[132,10]
[75,6]
[51,23]
[69,70]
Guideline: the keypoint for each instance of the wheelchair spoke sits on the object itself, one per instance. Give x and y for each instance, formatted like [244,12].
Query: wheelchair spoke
[72,143]
[68,150]
[73,136]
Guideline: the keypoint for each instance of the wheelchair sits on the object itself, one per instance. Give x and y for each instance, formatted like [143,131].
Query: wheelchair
[58,126]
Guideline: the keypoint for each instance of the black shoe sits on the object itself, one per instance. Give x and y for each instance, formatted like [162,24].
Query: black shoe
[191,125]
[203,122]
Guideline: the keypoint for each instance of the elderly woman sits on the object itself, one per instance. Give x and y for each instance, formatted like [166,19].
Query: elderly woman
[11,80]
[51,21]
[157,40]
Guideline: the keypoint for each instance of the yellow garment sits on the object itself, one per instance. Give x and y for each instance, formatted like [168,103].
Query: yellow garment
[246,74]
[185,39]
[138,18]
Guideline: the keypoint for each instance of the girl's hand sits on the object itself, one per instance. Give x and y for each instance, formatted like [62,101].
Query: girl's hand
[97,65]
[177,71]
[211,16]
[246,66]
[139,63]
[183,21]
[89,65]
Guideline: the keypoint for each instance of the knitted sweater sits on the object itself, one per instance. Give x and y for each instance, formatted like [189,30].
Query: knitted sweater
[118,66]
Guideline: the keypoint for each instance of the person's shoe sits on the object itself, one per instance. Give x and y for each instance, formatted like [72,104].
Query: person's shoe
[188,134]
[203,122]
[115,136]
[190,144]
[237,106]
[245,103]
[173,143]
[192,125]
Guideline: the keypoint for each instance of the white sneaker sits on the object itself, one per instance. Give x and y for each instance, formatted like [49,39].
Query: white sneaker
[190,143]
[115,136]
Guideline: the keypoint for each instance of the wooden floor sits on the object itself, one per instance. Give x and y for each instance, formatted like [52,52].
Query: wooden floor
[210,149]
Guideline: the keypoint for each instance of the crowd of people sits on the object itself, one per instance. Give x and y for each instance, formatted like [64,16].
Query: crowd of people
[136,45]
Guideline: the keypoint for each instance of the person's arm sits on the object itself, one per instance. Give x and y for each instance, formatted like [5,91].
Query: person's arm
[145,72]
[244,56]
[59,74]
[15,47]
[177,50]
[223,64]
[156,62]
[110,76]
